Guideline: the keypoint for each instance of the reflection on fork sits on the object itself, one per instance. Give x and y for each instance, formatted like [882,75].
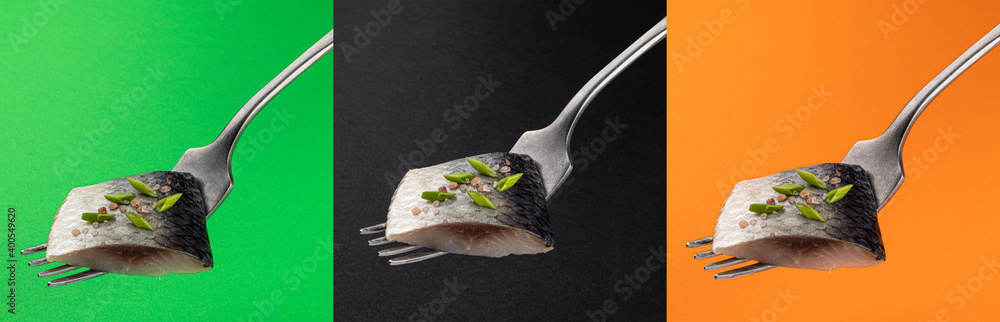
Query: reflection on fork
[404,248]
[82,276]
[728,262]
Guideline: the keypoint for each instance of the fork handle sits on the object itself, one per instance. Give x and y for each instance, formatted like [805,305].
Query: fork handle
[235,128]
[566,121]
[900,127]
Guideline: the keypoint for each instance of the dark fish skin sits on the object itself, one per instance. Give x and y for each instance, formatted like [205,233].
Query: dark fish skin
[523,205]
[850,220]
[183,228]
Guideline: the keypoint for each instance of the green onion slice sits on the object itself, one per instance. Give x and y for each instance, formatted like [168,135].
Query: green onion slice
[120,198]
[480,199]
[436,195]
[508,182]
[167,202]
[837,194]
[788,189]
[96,217]
[809,212]
[142,187]
[138,221]
[481,167]
[811,179]
[764,208]
[460,177]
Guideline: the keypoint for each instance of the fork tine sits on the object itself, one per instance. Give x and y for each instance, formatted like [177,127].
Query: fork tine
[745,270]
[37,262]
[705,254]
[398,250]
[57,270]
[78,277]
[373,229]
[416,257]
[33,249]
[725,263]
[379,241]
[699,242]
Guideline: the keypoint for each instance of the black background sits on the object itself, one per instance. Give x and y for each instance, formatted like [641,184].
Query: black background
[428,57]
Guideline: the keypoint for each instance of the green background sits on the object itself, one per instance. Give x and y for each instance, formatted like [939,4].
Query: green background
[272,238]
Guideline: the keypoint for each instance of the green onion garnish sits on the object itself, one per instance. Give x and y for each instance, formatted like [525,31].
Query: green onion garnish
[460,177]
[167,202]
[481,167]
[436,195]
[142,187]
[811,179]
[138,221]
[480,199]
[96,217]
[120,198]
[837,194]
[788,189]
[764,208]
[809,212]
[508,182]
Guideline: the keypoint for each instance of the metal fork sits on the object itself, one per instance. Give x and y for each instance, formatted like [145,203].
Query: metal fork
[549,146]
[882,156]
[210,164]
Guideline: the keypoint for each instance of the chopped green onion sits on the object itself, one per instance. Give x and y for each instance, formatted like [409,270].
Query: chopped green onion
[764,208]
[436,195]
[138,221]
[837,194]
[96,217]
[460,177]
[480,199]
[508,182]
[167,202]
[788,189]
[142,187]
[809,212]
[481,167]
[811,179]
[120,198]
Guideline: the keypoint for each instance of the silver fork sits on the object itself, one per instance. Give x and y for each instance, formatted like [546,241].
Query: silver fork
[549,146]
[210,164]
[881,157]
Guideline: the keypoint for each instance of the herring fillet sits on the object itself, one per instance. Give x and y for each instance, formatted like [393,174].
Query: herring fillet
[519,225]
[177,245]
[850,237]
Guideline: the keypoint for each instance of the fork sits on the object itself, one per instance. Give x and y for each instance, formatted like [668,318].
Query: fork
[882,156]
[549,146]
[210,164]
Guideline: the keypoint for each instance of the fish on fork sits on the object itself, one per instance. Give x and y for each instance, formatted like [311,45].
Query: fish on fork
[178,241]
[850,236]
[520,224]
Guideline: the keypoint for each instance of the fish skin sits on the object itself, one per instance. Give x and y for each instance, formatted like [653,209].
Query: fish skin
[180,229]
[522,207]
[851,220]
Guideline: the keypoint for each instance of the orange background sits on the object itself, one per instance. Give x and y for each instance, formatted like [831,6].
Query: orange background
[758,69]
